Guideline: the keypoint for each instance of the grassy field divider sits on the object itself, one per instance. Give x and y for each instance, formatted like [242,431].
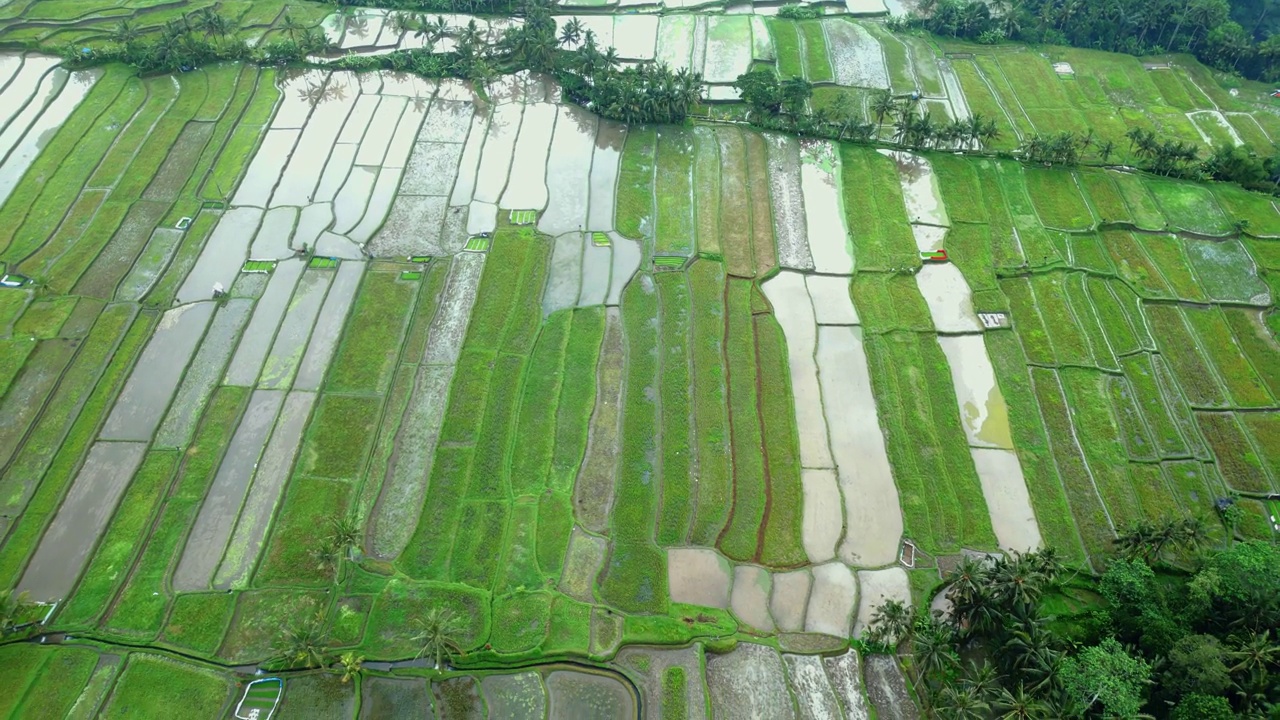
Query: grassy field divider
[48,164]
[741,537]
[40,509]
[138,609]
[710,389]
[674,373]
[781,544]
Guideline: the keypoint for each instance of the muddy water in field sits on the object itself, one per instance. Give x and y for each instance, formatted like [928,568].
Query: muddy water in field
[406,134]
[74,89]
[1008,502]
[26,73]
[268,484]
[564,279]
[699,576]
[412,227]
[749,682]
[447,121]
[569,171]
[300,91]
[604,175]
[597,264]
[272,240]
[626,261]
[311,224]
[823,523]
[919,188]
[789,225]
[499,146]
[947,295]
[352,200]
[874,588]
[824,220]
[116,259]
[357,122]
[482,217]
[873,515]
[291,340]
[465,186]
[221,506]
[257,338]
[204,373]
[432,168]
[832,600]
[298,182]
[384,192]
[337,246]
[449,326]
[845,673]
[811,687]
[635,36]
[582,695]
[789,598]
[529,160]
[145,398]
[328,326]
[750,598]
[982,408]
[400,502]
[383,125]
[265,168]
[154,259]
[29,95]
[795,313]
[83,516]
[336,170]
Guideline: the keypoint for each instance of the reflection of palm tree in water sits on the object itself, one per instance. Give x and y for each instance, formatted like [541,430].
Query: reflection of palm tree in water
[358,25]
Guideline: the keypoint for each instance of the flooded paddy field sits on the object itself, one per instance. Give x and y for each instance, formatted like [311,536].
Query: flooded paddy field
[665,405]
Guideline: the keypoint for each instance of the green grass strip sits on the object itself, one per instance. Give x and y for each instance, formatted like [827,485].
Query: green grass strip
[1178,347]
[636,500]
[531,457]
[58,686]
[555,523]
[1057,199]
[1244,386]
[188,690]
[674,232]
[874,210]
[1048,498]
[740,540]
[140,608]
[1256,208]
[378,321]
[675,391]
[161,140]
[600,239]
[495,301]
[706,186]
[1146,394]
[711,423]
[25,534]
[635,211]
[518,567]
[481,529]
[427,554]
[477,244]
[490,471]
[160,95]
[30,214]
[258,266]
[1099,437]
[119,545]
[242,141]
[1086,506]
[1089,321]
[1239,463]
[1070,344]
[577,396]
[526,315]
[198,622]
[308,504]
[1027,320]
[816,64]
[786,42]
[1257,343]
[782,545]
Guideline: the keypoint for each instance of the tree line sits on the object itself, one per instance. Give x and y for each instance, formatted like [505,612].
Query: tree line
[1178,627]
[1204,28]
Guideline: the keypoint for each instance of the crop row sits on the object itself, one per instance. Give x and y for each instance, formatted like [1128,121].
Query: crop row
[942,502]
[714,496]
[874,211]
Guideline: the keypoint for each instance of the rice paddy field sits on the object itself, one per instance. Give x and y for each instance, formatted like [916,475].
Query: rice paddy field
[658,415]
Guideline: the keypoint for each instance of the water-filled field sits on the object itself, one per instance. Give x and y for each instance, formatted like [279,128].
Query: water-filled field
[659,414]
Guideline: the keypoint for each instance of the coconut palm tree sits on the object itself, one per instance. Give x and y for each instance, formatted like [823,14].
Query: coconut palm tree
[882,103]
[961,704]
[211,23]
[125,32]
[304,643]
[351,664]
[1018,704]
[437,636]
[892,622]
[571,33]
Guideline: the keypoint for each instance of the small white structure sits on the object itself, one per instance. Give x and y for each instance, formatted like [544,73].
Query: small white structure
[994,320]
[1063,68]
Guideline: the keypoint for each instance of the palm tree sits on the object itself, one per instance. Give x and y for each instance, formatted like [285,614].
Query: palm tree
[292,27]
[12,610]
[892,622]
[934,652]
[1105,149]
[882,103]
[305,643]
[1019,705]
[984,681]
[571,32]
[211,23]
[1254,657]
[124,33]
[351,664]
[437,636]
[961,704]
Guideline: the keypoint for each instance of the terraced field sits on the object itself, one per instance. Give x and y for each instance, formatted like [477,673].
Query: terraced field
[658,415]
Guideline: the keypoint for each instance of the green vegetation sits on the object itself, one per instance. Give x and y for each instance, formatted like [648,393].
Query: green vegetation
[1178,347]
[1057,199]
[1189,207]
[1244,386]
[711,424]
[786,43]
[816,65]
[674,232]
[675,422]
[198,621]
[781,545]
[874,210]
[187,690]
[740,540]
[378,321]
[635,214]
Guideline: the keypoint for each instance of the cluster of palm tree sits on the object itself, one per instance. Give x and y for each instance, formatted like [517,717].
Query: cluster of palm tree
[305,643]
[337,545]
[1065,148]
[1170,157]
[1149,539]
[995,613]
[486,7]
[914,129]
[197,38]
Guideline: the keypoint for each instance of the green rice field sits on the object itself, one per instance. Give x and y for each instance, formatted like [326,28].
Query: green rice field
[322,374]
